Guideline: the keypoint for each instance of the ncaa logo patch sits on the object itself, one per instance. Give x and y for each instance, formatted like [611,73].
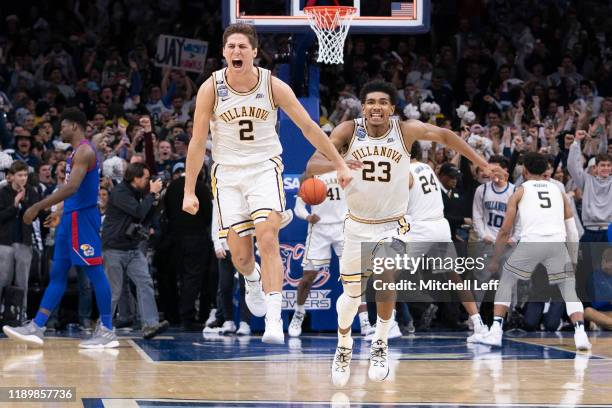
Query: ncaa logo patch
[87,250]
[360,133]
[222,90]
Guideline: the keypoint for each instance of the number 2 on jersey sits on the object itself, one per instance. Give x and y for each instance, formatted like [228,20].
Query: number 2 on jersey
[246,129]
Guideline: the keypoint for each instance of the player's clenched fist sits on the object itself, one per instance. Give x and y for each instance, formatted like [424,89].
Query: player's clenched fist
[191,204]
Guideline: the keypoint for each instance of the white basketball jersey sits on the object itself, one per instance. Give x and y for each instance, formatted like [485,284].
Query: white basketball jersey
[494,206]
[379,190]
[425,203]
[541,212]
[243,125]
[333,209]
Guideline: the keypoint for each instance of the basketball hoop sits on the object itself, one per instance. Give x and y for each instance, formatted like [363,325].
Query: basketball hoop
[331,24]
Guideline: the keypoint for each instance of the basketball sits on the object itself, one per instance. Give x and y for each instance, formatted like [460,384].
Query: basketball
[313,191]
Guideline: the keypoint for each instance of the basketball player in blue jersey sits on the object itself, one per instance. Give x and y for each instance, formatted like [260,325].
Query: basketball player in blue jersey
[377,200]
[239,105]
[77,240]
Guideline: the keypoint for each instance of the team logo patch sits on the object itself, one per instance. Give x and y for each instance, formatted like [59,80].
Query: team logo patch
[360,133]
[222,90]
[87,250]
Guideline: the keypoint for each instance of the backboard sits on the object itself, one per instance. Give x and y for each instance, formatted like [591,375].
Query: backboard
[373,16]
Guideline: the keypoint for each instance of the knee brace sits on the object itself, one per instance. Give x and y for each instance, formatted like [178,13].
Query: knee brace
[348,304]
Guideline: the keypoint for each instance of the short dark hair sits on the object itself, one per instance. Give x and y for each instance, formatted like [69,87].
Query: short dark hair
[535,163]
[603,157]
[241,28]
[503,162]
[134,170]
[415,151]
[75,115]
[379,86]
[17,166]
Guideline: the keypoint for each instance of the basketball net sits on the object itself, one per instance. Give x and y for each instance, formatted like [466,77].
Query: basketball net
[331,25]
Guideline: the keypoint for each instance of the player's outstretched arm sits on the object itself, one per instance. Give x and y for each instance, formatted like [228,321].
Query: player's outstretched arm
[81,162]
[340,139]
[505,232]
[197,145]
[287,101]
[414,130]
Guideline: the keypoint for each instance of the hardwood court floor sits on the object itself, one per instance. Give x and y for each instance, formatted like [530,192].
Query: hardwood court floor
[428,369]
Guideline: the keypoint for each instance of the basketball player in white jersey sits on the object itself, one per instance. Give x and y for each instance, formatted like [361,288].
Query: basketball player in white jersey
[490,202]
[239,105]
[429,229]
[546,222]
[377,199]
[325,225]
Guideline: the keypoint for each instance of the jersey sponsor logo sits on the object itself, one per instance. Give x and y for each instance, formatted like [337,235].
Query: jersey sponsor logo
[87,249]
[259,96]
[389,140]
[387,152]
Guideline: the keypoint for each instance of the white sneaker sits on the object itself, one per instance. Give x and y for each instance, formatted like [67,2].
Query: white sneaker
[229,327]
[582,340]
[341,366]
[244,329]
[254,295]
[379,364]
[493,337]
[295,327]
[211,317]
[286,218]
[364,324]
[479,333]
[274,332]
[394,331]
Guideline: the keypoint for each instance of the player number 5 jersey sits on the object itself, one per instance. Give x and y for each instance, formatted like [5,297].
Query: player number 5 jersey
[541,212]
[243,125]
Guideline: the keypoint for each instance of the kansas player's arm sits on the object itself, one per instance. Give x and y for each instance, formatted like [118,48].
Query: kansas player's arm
[197,145]
[505,232]
[285,98]
[83,159]
[413,130]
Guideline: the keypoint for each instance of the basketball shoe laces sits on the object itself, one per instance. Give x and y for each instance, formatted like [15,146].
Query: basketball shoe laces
[378,354]
[342,359]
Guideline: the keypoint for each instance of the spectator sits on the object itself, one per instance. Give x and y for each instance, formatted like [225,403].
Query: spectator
[454,204]
[15,235]
[130,207]
[192,249]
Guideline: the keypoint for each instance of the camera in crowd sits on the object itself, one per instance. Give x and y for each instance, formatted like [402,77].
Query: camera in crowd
[137,231]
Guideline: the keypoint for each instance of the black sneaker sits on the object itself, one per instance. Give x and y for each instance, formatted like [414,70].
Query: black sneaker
[148,332]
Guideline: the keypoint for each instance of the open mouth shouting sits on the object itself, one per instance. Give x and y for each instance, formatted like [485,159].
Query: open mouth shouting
[236,63]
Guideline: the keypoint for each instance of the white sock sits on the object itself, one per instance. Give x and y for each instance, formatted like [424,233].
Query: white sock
[254,276]
[345,340]
[273,303]
[382,329]
[300,308]
[477,320]
[496,324]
